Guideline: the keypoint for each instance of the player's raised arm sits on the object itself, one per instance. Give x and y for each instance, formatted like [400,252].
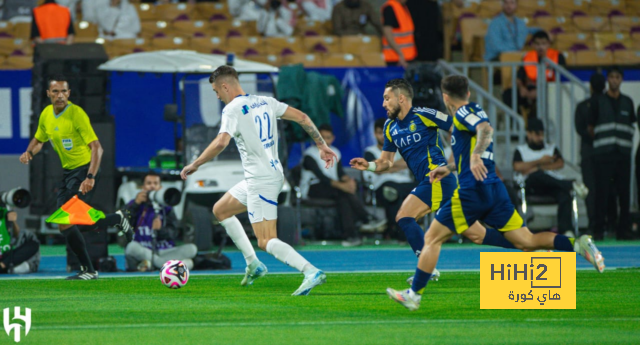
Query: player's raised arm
[327,155]
[484,137]
[384,163]
[212,151]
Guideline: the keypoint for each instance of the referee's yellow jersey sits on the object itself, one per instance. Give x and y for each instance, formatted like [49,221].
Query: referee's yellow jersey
[69,132]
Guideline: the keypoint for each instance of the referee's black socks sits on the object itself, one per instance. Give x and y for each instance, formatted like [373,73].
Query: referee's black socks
[79,247]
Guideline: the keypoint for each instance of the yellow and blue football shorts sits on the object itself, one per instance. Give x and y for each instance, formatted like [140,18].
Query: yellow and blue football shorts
[489,203]
[436,194]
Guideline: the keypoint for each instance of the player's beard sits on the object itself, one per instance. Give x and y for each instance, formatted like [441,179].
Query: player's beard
[393,114]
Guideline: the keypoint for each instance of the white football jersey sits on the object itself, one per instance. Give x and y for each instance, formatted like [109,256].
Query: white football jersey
[251,121]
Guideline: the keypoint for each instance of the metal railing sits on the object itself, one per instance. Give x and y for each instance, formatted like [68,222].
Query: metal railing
[513,124]
[564,85]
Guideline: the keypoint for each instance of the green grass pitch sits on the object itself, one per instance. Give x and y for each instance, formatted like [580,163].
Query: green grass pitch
[349,309]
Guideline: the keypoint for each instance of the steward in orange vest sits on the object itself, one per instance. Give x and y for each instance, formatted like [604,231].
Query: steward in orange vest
[396,16]
[51,23]
[541,43]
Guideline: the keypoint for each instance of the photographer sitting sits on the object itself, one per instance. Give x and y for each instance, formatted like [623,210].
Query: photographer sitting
[19,249]
[155,229]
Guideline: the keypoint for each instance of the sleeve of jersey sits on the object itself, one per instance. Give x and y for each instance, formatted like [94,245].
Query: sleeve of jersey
[469,123]
[228,122]
[431,117]
[83,125]
[388,144]
[278,107]
[41,133]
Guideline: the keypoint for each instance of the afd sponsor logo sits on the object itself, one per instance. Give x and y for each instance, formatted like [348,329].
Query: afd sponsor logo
[16,327]
[408,140]
[67,144]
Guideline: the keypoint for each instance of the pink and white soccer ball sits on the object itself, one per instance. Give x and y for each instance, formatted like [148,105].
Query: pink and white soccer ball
[174,274]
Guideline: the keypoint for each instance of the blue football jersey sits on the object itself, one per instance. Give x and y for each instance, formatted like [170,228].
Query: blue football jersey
[463,142]
[416,137]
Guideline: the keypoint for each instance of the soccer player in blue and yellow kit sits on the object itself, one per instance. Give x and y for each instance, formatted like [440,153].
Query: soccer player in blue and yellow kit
[480,196]
[67,127]
[414,131]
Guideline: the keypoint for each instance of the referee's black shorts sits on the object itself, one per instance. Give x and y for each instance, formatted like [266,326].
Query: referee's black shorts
[70,185]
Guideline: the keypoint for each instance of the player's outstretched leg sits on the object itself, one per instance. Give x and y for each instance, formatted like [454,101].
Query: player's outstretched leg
[433,240]
[523,239]
[478,234]
[266,233]
[225,210]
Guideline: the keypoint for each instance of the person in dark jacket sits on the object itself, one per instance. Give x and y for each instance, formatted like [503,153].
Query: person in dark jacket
[610,124]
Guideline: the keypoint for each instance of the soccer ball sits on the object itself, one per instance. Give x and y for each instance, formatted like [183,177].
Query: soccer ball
[174,274]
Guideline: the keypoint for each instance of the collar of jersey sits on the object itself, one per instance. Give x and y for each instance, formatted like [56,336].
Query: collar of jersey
[406,117]
[63,111]
[245,95]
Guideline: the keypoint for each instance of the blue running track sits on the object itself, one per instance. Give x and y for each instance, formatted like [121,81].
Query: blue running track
[358,260]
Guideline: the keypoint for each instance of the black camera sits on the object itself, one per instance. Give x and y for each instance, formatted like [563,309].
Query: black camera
[17,197]
[165,196]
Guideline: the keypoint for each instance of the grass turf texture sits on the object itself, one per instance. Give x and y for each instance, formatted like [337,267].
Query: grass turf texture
[349,309]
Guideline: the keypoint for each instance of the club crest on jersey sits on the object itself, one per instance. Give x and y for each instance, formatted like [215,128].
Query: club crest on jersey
[245,110]
[413,127]
[67,144]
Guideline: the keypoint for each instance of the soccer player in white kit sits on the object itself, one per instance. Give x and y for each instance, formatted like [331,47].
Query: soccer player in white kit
[251,121]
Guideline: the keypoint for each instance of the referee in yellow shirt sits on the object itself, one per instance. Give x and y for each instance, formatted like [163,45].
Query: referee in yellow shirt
[68,129]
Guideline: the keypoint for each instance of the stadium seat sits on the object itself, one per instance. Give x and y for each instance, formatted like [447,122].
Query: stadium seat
[321,44]
[162,43]
[10,46]
[242,28]
[604,40]
[278,45]
[593,58]
[341,60]
[209,45]
[188,28]
[174,12]
[489,8]
[569,8]
[632,8]
[6,29]
[606,7]
[569,41]
[505,72]
[22,30]
[160,28]
[372,60]
[146,12]
[623,23]
[306,27]
[2,60]
[270,59]
[534,8]
[360,44]
[128,46]
[308,60]
[470,28]
[554,25]
[18,62]
[626,57]
[245,46]
[206,10]
[86,29]
[591,24]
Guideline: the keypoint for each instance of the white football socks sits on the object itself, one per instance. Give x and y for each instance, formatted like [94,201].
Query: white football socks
[287,255]
[239,236]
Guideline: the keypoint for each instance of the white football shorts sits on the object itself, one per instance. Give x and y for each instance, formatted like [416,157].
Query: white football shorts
[261,198]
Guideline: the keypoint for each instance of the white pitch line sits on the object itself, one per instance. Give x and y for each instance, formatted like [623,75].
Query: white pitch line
[197,273]
[320,323]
